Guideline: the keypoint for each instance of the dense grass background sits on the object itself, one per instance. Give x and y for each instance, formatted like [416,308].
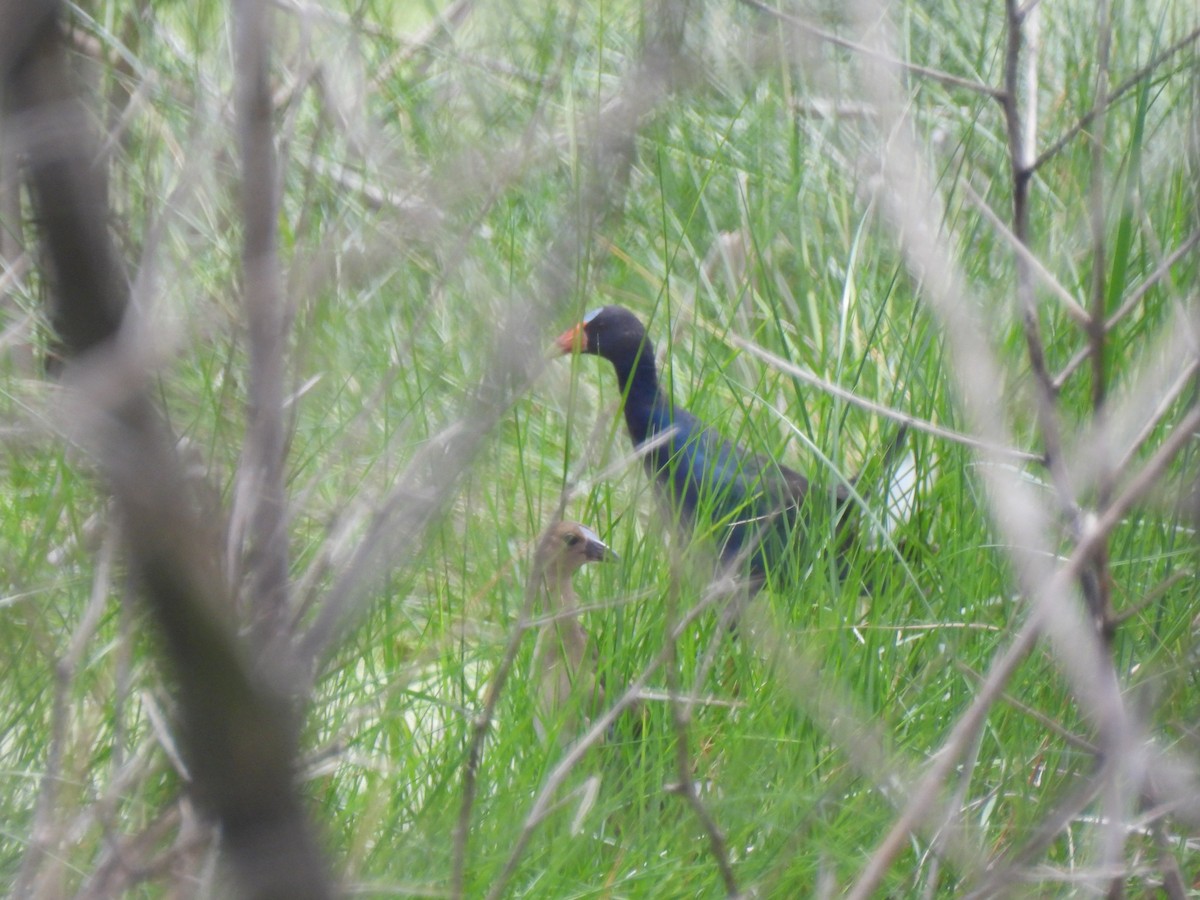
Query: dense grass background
[425,188]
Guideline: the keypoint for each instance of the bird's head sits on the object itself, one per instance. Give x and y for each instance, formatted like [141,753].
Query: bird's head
[567,546]
[610,331]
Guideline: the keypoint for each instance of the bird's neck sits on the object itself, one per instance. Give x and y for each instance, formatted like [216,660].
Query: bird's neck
[560,592]
[644,399]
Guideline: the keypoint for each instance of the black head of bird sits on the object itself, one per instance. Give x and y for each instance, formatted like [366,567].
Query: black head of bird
[616,334]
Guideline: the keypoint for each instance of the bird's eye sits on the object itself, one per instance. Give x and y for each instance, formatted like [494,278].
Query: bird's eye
[573,539]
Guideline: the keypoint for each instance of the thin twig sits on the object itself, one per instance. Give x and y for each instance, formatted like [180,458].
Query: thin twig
[1003,873]
[1038,716]
[132,860]
[1099,594]
[14,263]
[1160,410]
[1173,883]
[1171,363]
[1141,483]
[800,374]
[1117,93]
[43,837]
[1156,593]
[428,483]
[1096,214]
[441,29]
[1047,416]
[937,75]
[1018,515]
[952,813]
[857,733]
[1162,271]
[1072,306]
[15,269]
[1031,33]
[923,794]
[1095,578]
[681,723]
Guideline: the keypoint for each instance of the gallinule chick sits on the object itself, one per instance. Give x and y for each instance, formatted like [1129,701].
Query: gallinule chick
[564,658]
[751,504]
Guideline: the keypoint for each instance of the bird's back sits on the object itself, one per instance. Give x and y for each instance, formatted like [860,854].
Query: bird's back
[747,499]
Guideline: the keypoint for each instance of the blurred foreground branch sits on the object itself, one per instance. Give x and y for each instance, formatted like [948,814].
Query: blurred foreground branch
[239,734]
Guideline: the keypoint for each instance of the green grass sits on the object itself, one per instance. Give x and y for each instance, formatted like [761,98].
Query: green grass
[395,317]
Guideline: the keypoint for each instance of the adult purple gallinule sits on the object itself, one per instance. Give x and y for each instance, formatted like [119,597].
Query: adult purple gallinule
[564,658]
[750,503]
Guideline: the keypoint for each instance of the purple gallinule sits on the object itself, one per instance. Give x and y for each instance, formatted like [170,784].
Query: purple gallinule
[750,503]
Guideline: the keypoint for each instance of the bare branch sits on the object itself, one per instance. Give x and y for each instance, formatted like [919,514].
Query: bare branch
[267,838]
[901,64]
[1096,209]
[1038,716]
[1018,515]
[1094,582]
[922,795]
[1097,585]
[1116,94]
[439,31]
[800,374]
[1003,874]
[260,505]
[1155,595]
[1018,143]
[14,262]
[1136,296]
[44,120]
[951,814]
[921,798]
[1072,306]
[1130,418]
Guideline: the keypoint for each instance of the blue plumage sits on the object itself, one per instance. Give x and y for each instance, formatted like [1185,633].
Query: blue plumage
[750,504]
